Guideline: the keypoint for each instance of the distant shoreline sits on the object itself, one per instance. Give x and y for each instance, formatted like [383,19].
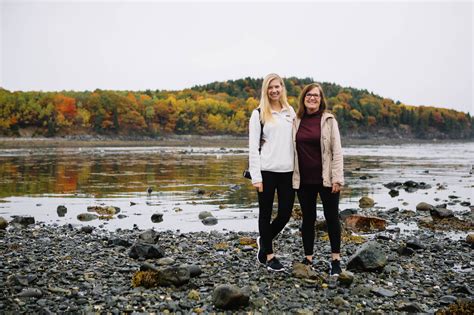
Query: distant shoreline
[179,140]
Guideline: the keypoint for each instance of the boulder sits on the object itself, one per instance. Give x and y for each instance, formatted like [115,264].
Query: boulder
[209,221]
[149,236]
[3,223]
[157,217]
[303,271]
[84,217]
[227,296]
[366,202]
[173,276]
[470,239]
[204,214]
[146,251]
[369,257]
[360,223]
[441,213]
[61,210]
[345,278]
[423,206]
[23,220]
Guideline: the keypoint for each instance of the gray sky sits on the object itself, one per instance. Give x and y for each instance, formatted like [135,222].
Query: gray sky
[419,53]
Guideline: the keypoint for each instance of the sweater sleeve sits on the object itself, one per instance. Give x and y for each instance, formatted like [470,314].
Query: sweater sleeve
[337,159]
[254,144]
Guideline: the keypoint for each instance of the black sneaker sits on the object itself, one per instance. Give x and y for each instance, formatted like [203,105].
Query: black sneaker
[261,256]
[306,261]
[335,268]
[274,265]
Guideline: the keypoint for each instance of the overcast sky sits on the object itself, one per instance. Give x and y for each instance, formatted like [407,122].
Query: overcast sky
[419,53]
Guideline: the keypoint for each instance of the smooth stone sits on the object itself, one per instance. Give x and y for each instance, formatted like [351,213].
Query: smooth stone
[204,214]
[119,242]
[147,251]
[30,292]
[448,299]
[405,251]
[441,213]
[157,217]
[303,271]
[383,292]
[3,223]
[470,238]
[87,229]
[209,221]
[423,206]
[411,308]
[369,257]
[346,278]
[61,210]
[173,276]
[84,217]
[366,202]
[415,244]
[393,193]
[23,220]
[165,261]
[227,296]
[149,236]
[194,270]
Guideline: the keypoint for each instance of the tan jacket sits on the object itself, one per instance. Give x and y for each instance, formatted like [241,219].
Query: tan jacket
[331,152]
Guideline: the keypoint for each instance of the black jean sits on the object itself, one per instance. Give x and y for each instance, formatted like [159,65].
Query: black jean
[307,195]
[282,183]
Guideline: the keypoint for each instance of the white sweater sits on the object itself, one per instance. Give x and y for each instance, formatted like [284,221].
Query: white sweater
[277,150]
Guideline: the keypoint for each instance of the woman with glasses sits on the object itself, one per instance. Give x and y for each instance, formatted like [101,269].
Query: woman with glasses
[318,170]
[271,163]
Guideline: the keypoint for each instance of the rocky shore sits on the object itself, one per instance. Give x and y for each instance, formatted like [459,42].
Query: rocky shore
[80,269]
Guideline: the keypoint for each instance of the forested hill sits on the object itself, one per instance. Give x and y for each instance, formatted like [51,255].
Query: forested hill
[214,109]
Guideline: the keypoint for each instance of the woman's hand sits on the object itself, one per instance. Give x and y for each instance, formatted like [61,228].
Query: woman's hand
[259,186]
[336,187]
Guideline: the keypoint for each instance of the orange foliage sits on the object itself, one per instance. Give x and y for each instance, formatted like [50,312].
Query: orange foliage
[65,105]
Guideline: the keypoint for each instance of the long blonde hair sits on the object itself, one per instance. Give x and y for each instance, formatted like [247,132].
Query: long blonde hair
[265,107]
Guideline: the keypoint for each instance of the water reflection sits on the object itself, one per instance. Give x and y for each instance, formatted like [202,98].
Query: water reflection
[37,181]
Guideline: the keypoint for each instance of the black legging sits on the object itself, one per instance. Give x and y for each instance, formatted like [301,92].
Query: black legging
[282,183]
[307,195]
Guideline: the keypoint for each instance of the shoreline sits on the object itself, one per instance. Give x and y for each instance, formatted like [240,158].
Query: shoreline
[181,141]
[66,269]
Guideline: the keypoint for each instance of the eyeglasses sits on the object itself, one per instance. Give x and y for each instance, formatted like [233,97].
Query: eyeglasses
[309,95]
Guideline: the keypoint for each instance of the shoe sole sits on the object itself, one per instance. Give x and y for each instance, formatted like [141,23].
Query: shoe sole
[275,270]
[258,251]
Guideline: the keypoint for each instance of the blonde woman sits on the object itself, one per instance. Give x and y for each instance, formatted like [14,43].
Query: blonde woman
[271,163]
[318,170]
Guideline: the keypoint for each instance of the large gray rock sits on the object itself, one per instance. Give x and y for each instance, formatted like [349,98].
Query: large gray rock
[423,206]
[204,214]
[369,257]
[209,221]
[61,210]
[227,296]
[23,220]
[366,202]
[173,276]
[84,217]
[147,251]
[441,213]
[149,236]
[3,223]
[303,271]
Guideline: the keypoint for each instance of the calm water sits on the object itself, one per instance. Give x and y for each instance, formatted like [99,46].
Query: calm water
[35,181]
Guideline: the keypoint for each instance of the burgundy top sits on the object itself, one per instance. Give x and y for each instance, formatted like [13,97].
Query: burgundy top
[308,146]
